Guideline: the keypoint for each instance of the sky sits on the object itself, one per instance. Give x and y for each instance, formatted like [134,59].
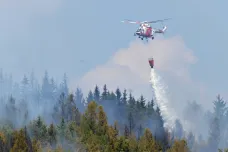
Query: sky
[57,35]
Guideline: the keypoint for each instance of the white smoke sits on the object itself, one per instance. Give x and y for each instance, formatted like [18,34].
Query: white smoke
[128,68]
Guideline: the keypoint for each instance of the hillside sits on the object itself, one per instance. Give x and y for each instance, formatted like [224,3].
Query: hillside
[35,118]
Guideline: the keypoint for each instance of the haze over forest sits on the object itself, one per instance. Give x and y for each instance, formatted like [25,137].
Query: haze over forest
[86,41]
[27,103]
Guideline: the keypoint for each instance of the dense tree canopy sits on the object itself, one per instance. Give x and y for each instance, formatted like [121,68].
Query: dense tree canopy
[47,117]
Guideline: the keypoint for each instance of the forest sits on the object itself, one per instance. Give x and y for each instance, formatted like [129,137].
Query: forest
[46,116]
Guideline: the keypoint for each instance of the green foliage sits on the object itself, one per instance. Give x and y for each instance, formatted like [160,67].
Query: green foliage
[91,130]
[97,135]
[19,144]
[52,134]
[36,146]
[179,146]
[39,129]
[148,143]
[2,142]
[225,150]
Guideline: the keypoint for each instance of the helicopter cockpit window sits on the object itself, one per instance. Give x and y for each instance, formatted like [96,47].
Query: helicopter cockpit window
[139,29]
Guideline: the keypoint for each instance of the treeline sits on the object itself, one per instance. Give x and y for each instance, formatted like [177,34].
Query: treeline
[83,132]
[103,120]
[90,131]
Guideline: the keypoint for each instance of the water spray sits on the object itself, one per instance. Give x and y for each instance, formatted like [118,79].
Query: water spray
[161,100]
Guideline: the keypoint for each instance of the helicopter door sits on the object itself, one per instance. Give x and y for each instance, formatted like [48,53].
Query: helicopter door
[143,32]
[148,31]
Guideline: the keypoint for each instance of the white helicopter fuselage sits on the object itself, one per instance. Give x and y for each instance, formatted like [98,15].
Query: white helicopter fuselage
[145,30]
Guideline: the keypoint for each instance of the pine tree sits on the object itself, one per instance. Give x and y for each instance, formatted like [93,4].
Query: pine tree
[78,96]
[96,94]
[147,142]
[102,121]
[71,131]
[64,86]
[53,89]
[90,97]
[214,134]
[112,96]
[61,128]
[118,96]
[79,100]
[131,123]
[160,130]
[132,103]
[140,131]
[28,140]
[52,134]
[179,146]
[89,118]
[142,102]
[122,145]
[190,140]
[116,128]
[105,93]
[11,109]
[112,138]
[39,129]
[150,108]
[61,105]
[19,142]
[70,108]
[126,131]
[3,147]
[46,89]
[220,110]
[219,107]
[124,99]
[25,87]
[25,80]
[36,146]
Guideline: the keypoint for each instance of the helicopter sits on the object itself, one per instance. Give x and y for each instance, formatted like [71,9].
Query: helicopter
[145,30]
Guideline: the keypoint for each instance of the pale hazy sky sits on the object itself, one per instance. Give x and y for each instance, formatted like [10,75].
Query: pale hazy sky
[57,34]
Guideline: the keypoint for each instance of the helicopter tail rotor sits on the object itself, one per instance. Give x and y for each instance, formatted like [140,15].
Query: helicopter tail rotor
[164,29]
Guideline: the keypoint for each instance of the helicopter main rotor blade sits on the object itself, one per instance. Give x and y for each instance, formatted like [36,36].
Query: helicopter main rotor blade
[131,22]
[158,20]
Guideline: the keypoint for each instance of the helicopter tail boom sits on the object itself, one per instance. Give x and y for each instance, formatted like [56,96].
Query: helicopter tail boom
[161,30]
